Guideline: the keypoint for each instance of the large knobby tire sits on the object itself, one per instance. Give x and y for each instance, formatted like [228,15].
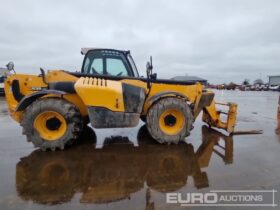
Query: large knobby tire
[52,123]
[169,120]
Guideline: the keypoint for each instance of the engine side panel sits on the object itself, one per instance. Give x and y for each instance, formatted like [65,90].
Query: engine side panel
[100,93]
[111,104]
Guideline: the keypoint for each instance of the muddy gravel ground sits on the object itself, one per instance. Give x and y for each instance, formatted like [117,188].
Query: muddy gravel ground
[126,169]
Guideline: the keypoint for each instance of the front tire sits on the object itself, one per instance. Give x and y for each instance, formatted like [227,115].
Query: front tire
[52,123]
[169,120]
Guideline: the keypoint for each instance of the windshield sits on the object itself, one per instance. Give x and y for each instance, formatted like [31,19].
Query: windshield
[133,66]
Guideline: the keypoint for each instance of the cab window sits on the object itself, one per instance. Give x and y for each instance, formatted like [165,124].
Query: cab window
[97,66]
[116,67]
[94,67]
[86,68]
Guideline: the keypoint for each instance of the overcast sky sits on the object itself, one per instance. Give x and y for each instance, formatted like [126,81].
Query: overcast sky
[220,40]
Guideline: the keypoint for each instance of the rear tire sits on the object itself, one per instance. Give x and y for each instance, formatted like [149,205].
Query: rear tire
[52,123]
[169,120]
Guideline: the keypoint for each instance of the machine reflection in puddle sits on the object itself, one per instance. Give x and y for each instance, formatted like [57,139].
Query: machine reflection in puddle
[119,169]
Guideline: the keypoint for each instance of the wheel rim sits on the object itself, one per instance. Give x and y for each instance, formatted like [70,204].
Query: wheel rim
[171,121]
[51,125]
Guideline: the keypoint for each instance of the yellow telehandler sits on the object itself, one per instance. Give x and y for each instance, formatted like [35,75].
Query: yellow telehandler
[108,92]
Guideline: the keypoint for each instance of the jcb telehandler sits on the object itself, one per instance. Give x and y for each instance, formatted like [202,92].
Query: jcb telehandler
[53,108]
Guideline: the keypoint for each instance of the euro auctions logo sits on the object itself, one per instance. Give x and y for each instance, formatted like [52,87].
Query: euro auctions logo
[224,198]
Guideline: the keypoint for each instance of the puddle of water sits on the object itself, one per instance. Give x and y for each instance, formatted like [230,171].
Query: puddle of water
[127,169]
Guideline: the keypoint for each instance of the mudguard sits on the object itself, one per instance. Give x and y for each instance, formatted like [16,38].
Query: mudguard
[165,94]
[27,100]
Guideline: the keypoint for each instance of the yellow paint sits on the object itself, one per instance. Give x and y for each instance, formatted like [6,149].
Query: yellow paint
[109,95]
[101,93]
[178,125]
[212,116]
[28,83]
[189,91]
[231,120]
[40,124]
[58,75]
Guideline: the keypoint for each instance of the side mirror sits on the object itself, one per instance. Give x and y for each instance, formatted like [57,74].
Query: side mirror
[150,64]
[154,76]
[43,75]
[150,76]
[10,66]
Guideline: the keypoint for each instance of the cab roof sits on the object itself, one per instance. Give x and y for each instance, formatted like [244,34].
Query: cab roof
[86,49]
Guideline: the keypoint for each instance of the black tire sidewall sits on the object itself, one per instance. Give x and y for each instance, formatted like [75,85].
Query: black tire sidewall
[60,106]
[155,112]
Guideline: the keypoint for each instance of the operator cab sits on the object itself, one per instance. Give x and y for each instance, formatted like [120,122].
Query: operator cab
[109,62]
[117,65]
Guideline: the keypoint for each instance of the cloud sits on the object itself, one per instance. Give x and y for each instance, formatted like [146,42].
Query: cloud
[219,40]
